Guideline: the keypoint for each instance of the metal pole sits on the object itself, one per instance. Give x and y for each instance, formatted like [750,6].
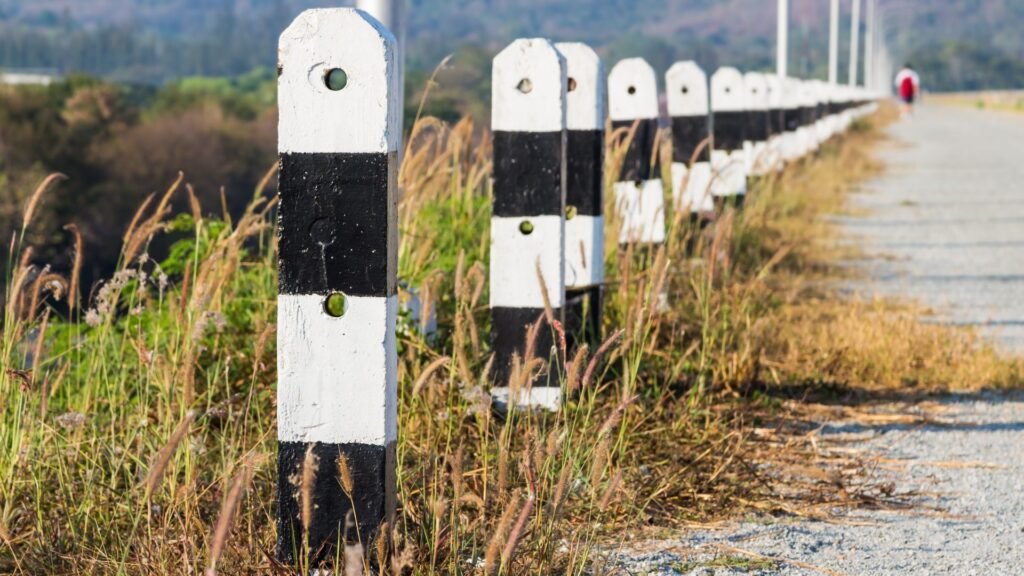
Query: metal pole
[869,47]
[392,14]
[782,38]
[833,45]
[855,43]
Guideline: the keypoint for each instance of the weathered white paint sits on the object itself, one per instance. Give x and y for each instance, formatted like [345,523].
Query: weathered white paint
[691,187]
[365,115]
[528,87]
[587,102]
[728,173]
[546,397]
[337,377]
[727,91]
[686,88]
[514,258]
[642,208]
[632,90]
[584,251]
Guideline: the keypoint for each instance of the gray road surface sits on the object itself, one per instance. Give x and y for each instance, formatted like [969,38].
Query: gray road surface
[949,213]
[946,222]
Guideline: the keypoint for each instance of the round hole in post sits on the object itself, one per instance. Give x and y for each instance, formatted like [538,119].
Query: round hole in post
[631,90]
[686,89]
[526,227]
[335,79]
[335,305]
[728,90]
[525,86]
[572,84]
[571,212]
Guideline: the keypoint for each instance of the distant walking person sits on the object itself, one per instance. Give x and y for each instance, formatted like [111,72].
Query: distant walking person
[908,83]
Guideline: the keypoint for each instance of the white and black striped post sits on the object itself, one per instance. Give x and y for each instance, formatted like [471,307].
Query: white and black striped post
[586,111]
[337,304]
[639,193]
[528,118]
[729,128]
[686,86]
[793,118]
[758,129]
[776,121]
[809,99]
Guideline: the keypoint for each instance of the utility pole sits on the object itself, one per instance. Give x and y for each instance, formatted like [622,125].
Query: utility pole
[392,14]
[854,43]
[869,46]
[833,45]
[783,39]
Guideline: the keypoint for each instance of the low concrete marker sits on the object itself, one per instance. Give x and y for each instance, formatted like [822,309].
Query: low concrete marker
[758,123]
[337,398]
[686,87]
[528,118]
[729,126]
[586,112]
[639,193]
[776,121]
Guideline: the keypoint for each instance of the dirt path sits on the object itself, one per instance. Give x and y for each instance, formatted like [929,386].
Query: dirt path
[949,213]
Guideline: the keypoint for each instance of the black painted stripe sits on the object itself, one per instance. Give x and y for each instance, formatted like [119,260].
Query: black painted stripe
[338,224]
[776,121]
[792,119]
[509,328]
[689,133]
[637,164]
[807,114]
[757,125]
[583,308]
[730,129]
[373,478]
[585,167]
[528,173]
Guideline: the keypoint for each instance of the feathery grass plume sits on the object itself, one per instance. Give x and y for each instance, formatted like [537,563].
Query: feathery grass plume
[549,311]
[381,548]
[424,376]
[76,268]
[613,487]
[229,508]
[588,375]
[492,556]
[36,197]
[345,475]
[517,532]
[599,463]
[572,373]
[310,465]
[37,350]
[163,457]
[431,83]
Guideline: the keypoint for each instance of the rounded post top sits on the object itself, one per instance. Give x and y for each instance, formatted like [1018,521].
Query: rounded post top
[528,87]
[338,87]
[791,93]
[686,87]
[586,97]
[633,90]
[776,98]
[728,93]
[756,85]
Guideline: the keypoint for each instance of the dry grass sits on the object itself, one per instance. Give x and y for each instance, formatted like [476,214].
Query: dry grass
[137,436]
[996,100]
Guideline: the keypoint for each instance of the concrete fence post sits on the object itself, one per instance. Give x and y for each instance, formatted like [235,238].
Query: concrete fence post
[639,193]
[729,128]
[586,112]
[809,103]
[793,119]
[776,121]
[337,404]
[757,130]
[686,86]
[527,267]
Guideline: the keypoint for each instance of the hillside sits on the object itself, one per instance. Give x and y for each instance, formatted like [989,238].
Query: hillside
[959,44]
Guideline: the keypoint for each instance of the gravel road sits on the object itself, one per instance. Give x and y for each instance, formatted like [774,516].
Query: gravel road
[946,221]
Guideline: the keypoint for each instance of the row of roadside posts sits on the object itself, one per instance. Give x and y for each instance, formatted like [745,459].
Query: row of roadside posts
[339,133]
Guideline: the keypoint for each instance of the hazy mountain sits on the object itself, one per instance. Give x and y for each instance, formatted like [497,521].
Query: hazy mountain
[958,43]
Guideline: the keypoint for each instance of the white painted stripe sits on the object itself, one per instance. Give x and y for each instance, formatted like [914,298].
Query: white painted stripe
[586,103]
[334,382]
[642,210]
[760,159]
[775,96]
[514,258]
[528,87]
[691,187]
[727,92]
[546,397]
[756,85]
[686,87]
[729,173]
[362,117]
[632,90]
[584,251]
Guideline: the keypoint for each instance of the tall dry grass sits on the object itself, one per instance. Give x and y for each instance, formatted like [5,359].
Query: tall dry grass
[137,428]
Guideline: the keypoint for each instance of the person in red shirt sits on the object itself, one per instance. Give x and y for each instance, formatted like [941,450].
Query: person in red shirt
[908,86]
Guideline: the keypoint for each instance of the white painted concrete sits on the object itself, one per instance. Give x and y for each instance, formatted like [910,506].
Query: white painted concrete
[729,173]
[528,87]
[546,397]
[365,115]
[686,89]
[514,258]
[587,102]
[643,211]
[337,377]
[584,251]
[727,91]
[632,90]
[691,187]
